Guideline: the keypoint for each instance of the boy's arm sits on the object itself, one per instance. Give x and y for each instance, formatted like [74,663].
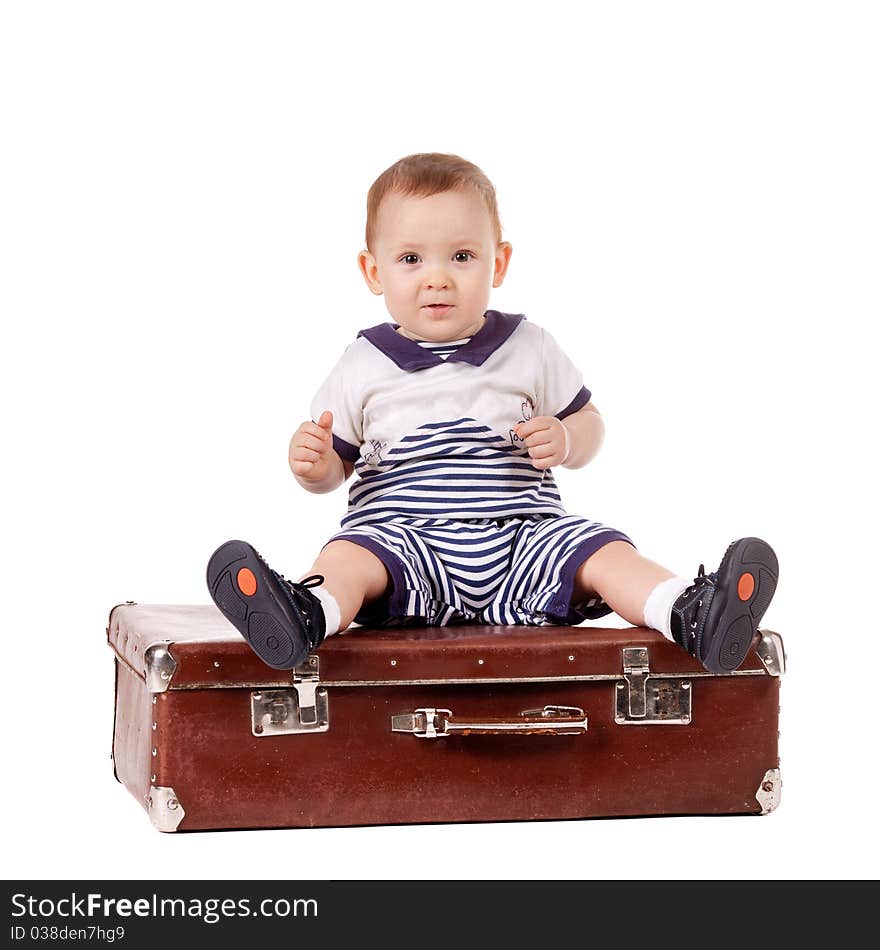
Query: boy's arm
[586,431]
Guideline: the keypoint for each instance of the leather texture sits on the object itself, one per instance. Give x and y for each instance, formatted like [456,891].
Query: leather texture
[133,761]
[359,772]
[210,652]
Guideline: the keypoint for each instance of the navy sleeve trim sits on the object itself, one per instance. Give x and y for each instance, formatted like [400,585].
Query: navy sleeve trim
[351,453]
[579,401]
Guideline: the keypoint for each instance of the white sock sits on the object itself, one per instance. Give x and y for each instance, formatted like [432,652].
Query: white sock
[332,614]
[658,606]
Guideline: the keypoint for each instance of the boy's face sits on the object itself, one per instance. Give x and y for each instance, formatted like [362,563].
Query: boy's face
[432,251]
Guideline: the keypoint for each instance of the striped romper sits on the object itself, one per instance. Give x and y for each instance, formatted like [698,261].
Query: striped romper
[445,494]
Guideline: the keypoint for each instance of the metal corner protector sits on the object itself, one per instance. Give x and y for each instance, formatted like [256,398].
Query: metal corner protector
[164,808]
[769,792]
[771,651]
[159,667]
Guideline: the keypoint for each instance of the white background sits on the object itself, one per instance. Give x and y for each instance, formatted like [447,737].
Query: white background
[691,190]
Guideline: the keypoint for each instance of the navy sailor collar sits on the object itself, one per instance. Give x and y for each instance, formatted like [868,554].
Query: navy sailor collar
[409,356]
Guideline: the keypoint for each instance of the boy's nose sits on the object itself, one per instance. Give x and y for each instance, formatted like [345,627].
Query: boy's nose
[437,281]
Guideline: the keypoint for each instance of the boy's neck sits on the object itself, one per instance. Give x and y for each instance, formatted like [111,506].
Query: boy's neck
[416,339]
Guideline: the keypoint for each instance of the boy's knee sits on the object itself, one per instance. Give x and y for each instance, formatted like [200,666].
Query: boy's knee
[351,557]
[590,573]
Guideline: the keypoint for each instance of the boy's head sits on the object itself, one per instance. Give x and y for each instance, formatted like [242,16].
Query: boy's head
[433,237]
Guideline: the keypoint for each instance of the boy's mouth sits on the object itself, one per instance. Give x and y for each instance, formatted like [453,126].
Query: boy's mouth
[439,307]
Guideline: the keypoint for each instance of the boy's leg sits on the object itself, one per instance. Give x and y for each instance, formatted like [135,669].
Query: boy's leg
[352,575]
[714,618]
[622,577]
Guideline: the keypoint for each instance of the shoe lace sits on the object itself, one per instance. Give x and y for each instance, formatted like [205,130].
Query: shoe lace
[293,589]
[702,580]
[313,580]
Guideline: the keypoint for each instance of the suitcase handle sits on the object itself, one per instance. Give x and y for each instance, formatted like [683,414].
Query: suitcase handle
[430,723]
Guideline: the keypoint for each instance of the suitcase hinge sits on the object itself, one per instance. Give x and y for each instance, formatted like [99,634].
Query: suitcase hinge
[304,708]
[638,702]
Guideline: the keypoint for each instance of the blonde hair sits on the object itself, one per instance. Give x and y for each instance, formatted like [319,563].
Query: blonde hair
[430,173]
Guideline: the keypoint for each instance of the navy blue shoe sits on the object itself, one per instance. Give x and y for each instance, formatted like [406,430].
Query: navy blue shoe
[282,620]
[717,617]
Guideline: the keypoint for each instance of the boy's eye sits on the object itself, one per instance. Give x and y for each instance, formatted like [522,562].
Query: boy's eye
[462,257]
[410,258]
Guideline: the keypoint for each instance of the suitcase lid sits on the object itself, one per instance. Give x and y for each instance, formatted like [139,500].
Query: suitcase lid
[190,647]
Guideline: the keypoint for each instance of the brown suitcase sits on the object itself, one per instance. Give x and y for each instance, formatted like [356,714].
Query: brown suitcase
[435,724]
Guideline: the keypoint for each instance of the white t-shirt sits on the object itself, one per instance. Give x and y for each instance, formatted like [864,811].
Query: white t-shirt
[430,426]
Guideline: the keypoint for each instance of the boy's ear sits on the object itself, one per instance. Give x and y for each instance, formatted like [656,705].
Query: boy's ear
[367,264]
[502,259]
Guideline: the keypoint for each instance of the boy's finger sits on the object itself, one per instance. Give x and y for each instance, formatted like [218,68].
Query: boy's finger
[313,429]
[303,453]
[326,420]
[523,429]
[542,437]
[542,451]
[314,442]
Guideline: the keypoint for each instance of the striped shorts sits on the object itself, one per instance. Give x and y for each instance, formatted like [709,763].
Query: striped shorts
[486,570]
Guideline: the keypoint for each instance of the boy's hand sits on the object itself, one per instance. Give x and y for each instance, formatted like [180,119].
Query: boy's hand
[311,449]
[545,438]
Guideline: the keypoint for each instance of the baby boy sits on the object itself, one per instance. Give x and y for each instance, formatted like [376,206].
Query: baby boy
[453,417]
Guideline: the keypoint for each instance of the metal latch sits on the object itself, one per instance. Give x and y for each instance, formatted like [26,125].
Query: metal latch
[638,702]
[304,708]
